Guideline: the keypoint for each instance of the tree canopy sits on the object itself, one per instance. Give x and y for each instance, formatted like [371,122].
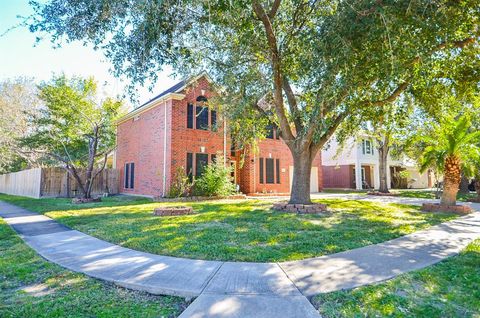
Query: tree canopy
[313,63]
[18,103]
[75,129]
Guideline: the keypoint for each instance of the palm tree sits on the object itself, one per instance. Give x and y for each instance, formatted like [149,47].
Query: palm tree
[450,144]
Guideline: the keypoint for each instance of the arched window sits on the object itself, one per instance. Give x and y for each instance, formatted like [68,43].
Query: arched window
[201,113]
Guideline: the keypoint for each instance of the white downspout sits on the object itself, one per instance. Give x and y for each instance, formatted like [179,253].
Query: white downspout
[164,148]
[224,142]
[254,173]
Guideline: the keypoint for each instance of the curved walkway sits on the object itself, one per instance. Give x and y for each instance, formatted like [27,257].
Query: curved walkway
[234,289]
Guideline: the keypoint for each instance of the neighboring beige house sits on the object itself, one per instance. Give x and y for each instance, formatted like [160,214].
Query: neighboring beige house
[355,166]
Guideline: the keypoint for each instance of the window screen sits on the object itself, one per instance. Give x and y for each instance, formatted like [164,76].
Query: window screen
[202,117]
[277,170]
[129,175]
[269,165]
[189,166]
[201,161]
[261,170]
[213,114]
[189,116]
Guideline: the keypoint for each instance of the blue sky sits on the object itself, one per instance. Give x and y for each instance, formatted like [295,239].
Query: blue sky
[20,57]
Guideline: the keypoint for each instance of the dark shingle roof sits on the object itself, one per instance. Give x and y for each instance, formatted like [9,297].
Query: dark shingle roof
[172,89]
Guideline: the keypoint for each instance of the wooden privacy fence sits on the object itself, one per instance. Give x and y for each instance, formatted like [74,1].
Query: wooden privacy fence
[55,182]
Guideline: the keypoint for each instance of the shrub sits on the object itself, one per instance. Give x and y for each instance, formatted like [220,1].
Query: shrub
[216,180]
[181,185]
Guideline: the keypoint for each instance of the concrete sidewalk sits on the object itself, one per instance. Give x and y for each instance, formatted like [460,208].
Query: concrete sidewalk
[231,289]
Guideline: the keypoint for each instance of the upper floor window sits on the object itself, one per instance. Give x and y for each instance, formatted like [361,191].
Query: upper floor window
[199,116]
[272,131]
[202,117]
[367,147]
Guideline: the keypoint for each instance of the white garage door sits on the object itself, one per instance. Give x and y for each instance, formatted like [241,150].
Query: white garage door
[313,179]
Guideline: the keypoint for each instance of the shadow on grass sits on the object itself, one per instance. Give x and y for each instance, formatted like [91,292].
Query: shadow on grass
[249,230]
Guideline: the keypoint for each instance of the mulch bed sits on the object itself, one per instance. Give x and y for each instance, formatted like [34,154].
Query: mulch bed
[300,208]
[475,200]
[457,209]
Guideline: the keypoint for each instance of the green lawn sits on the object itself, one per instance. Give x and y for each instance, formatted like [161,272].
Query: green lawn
[33,287]
[428,194]
[245,230]
[407,193]
[448,289]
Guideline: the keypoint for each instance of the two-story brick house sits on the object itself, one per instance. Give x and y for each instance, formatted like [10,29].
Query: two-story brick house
[178,129]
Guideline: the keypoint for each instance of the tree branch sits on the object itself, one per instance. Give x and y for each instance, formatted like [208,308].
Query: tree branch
[292,102]
[392,97]
[277,74]
[274,9]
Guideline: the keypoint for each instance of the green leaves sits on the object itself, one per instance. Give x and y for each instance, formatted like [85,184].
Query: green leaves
[451,137]
[67,124]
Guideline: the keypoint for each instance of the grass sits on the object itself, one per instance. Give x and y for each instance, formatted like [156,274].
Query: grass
[448,289]
[430,194]
[245,230]
[33,287]
[406,193]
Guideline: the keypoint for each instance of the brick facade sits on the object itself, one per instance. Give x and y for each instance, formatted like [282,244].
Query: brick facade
[143,138]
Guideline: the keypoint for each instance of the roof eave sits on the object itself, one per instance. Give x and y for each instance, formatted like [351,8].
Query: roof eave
[153,103]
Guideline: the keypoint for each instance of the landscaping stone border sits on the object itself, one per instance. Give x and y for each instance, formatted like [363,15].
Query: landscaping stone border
[457,209]
[172,211]
[390,194]
[199,198]
[300,208]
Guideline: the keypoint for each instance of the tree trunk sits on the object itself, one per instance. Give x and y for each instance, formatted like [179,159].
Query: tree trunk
[464,185]
[451,180]
[302,166]
[477,186]
[382,166]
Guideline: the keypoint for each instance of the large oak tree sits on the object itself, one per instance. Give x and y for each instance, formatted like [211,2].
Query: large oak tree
[313,63]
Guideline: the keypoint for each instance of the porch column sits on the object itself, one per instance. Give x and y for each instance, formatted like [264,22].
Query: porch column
[376,176]
[358,169]
[389,177]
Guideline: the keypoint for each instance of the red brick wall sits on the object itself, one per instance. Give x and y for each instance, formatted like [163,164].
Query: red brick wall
[142,141]
[338,176]
[185,139]
[276,149]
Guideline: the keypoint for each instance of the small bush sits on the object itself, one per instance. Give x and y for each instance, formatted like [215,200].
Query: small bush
[181,185]
[216,180]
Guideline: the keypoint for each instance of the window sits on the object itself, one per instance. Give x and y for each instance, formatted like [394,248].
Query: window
[232,149]
[190,166]
[190,116]
[202,117]
[213,158]
[269,129]
[277,132]
[213,120]
[269,165]
[261,170]
[367,147]
[277,169]
[201,161]
[129,175]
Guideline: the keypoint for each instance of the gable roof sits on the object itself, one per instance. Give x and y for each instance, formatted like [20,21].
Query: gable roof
[170,93]
[174,89]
